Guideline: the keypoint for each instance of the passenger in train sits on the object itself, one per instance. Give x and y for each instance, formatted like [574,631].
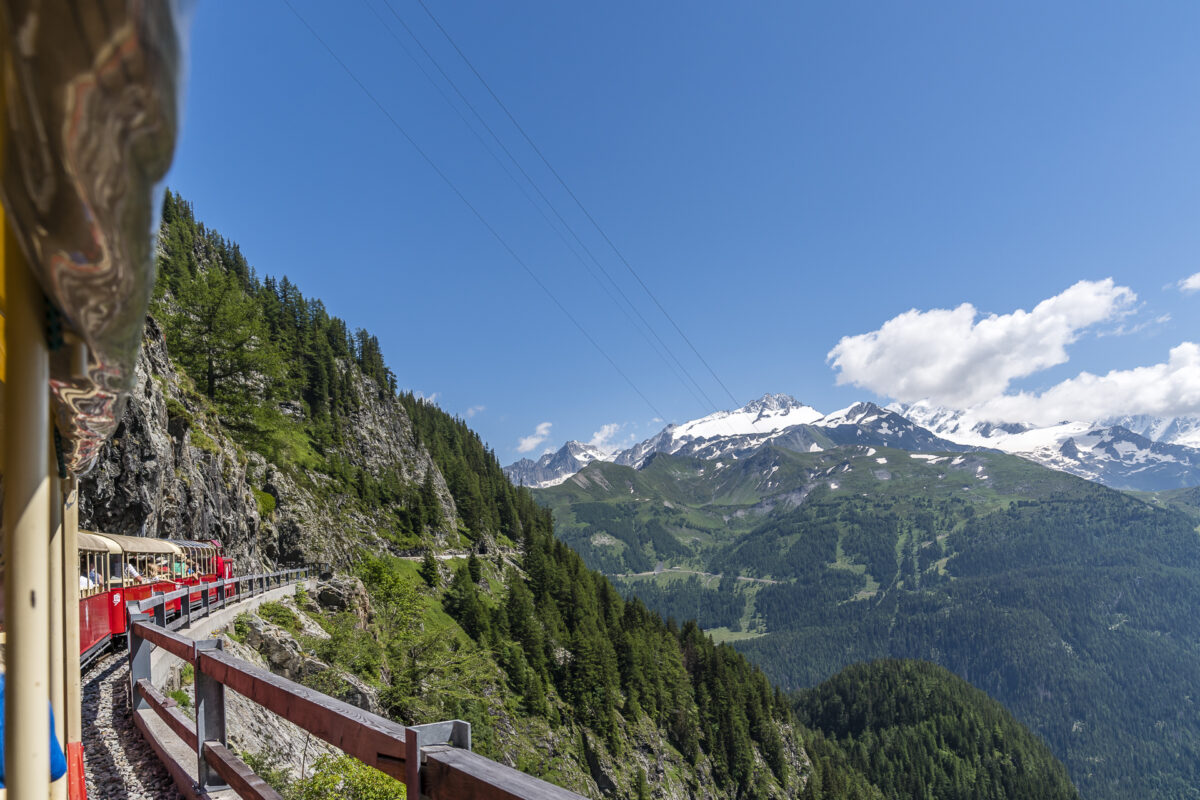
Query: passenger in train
[131,571]
[86,583]
[94,576]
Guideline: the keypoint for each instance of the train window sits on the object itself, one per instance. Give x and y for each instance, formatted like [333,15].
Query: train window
[87,574]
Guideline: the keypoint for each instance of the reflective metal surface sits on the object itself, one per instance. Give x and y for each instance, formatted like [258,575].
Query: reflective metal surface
[92,93]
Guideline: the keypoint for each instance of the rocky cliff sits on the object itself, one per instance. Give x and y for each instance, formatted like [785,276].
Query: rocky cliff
[172,471]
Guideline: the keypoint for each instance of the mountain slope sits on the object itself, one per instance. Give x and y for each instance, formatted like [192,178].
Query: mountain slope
[1061,598]
[880,713]
[554,468]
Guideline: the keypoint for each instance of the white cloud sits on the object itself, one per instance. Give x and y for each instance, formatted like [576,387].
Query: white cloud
[473,410]
[606,441]
[430,399]
[1137,327]
[1190,284]
[953,357]
[540,434]
[1167,389]
[603,437]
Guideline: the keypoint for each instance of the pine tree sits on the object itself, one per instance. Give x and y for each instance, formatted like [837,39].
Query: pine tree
[219,336]
[429,570]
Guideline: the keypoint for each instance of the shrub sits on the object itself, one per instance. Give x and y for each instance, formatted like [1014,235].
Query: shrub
[265,500]
[346,778]
[281,615]
[203,441]
[241,628]
[180,697]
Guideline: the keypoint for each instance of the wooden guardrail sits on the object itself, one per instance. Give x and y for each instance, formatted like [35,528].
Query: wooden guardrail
[434,761]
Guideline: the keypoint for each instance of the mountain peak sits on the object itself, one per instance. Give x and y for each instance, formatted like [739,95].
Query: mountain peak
[772,402]
[861,412]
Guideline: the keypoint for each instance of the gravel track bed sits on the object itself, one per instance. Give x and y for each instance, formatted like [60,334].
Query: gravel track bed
[118,763]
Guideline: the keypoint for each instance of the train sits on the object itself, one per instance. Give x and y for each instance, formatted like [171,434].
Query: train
[115,570]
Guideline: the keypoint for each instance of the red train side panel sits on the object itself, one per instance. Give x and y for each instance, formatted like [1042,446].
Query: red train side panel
[95,621]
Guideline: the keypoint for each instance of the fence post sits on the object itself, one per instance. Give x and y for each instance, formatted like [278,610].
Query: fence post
[160,611]
[139,661]
[412,763]
[221,597]
[210,716]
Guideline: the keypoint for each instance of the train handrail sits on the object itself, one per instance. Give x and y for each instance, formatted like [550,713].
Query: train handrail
[430,770]
[157,599]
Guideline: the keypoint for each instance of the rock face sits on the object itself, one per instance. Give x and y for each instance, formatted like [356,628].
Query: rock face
[163,476]
[284,655]
[253,729]
[170,472]
[344,593]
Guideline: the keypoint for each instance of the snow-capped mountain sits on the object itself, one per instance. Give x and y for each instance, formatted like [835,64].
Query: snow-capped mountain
[868,424]
[554,468]
[726,433]
[1141,452]
[1148,453]
[1168,430]
[774,419]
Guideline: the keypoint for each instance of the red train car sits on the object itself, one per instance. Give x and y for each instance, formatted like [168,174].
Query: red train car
[114,570]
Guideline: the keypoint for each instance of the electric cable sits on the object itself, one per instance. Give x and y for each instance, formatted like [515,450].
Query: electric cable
[553,208]
[674,368]
[483,220]
[582,208]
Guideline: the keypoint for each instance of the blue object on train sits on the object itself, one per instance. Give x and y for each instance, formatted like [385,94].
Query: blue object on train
[58,761]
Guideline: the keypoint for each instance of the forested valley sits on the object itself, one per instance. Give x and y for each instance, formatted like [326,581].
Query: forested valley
[1065,600]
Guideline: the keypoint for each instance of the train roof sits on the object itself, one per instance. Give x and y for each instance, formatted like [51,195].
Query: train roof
[97,544]
[201,545]
[141,544]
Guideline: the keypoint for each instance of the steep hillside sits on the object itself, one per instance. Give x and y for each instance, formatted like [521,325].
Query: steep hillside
[916,730]
[1066,601]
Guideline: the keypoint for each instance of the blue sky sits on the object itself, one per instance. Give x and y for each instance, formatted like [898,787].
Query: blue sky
[780,175]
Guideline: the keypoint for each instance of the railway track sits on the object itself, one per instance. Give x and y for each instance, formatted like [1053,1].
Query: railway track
[118,764]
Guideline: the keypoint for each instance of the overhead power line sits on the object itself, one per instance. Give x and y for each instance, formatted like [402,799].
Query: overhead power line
[483,220]
[579,203]
[645,326]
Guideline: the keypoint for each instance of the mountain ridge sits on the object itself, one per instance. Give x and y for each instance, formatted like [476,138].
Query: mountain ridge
[1146,454]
